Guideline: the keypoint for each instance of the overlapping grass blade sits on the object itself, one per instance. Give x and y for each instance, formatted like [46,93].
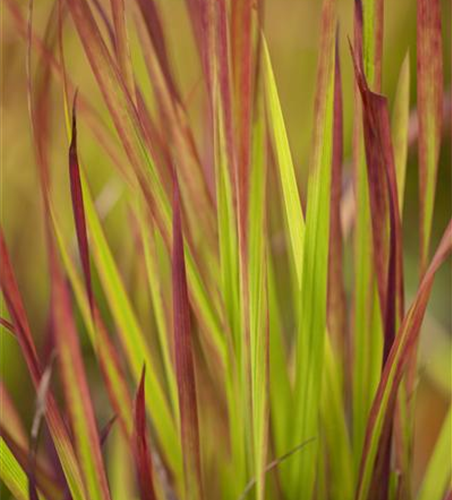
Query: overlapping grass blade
[185,372]
[141,447]
[57,428]
[13,475]
[76,391]
[312,328]
[383,405]
[148,238]
[131,334]
[367,325]
[291,197]
[44,480]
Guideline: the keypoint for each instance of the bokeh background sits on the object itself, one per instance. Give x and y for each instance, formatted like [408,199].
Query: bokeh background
[292,29]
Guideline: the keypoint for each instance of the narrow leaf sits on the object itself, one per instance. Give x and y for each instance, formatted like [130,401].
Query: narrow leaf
[77,394]
[312,328]
[77,206]
[291,197]
[185,371]
[429,102]
[56,426]
[141,446]
[383,404]
[400,118]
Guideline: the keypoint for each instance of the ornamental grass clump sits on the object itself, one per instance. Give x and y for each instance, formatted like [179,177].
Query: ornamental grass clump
[244,359]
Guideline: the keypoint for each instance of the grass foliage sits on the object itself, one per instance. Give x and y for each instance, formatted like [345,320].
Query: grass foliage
[236,382]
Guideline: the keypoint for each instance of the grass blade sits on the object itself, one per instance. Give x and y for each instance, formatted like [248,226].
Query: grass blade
[367,325]
[57,428]
[12,474]
[77,394]
[383,404]
[185,372]
[336,305]
[43,476]
[430,102]
[142,452]
[258,301]
[77,206]
[291,197]
[400,118]
[310,337]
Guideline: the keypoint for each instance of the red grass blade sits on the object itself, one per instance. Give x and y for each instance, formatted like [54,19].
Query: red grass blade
[385,217]
[141,447]
[185,372]
[430,102]
[384,202]
[105,432]
[151,17]
[7,325]
[77,206]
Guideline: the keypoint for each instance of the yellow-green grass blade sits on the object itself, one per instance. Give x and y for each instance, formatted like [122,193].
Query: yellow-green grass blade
[229,269]
[311,332]
[12,474]
[280,388]
[131,335]
[383,404]
[227,234]
[116,383]
[258,316]
[286,169]
[400,116]
[151,260]
[334,424]
[439,470]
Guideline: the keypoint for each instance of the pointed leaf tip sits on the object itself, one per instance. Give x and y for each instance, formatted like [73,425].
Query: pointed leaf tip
[141,446]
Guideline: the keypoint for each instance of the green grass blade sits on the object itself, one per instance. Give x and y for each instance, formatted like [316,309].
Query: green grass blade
[12,474]
[148,236]
[291,197]
[116,384]
[400,116]
[311,333]
[334,423]
[131,334]
[383,405]
[259,327]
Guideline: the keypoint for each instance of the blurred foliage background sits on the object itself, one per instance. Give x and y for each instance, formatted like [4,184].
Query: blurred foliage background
[292,28]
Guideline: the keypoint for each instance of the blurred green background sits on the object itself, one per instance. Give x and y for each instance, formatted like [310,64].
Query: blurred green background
[292,28]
